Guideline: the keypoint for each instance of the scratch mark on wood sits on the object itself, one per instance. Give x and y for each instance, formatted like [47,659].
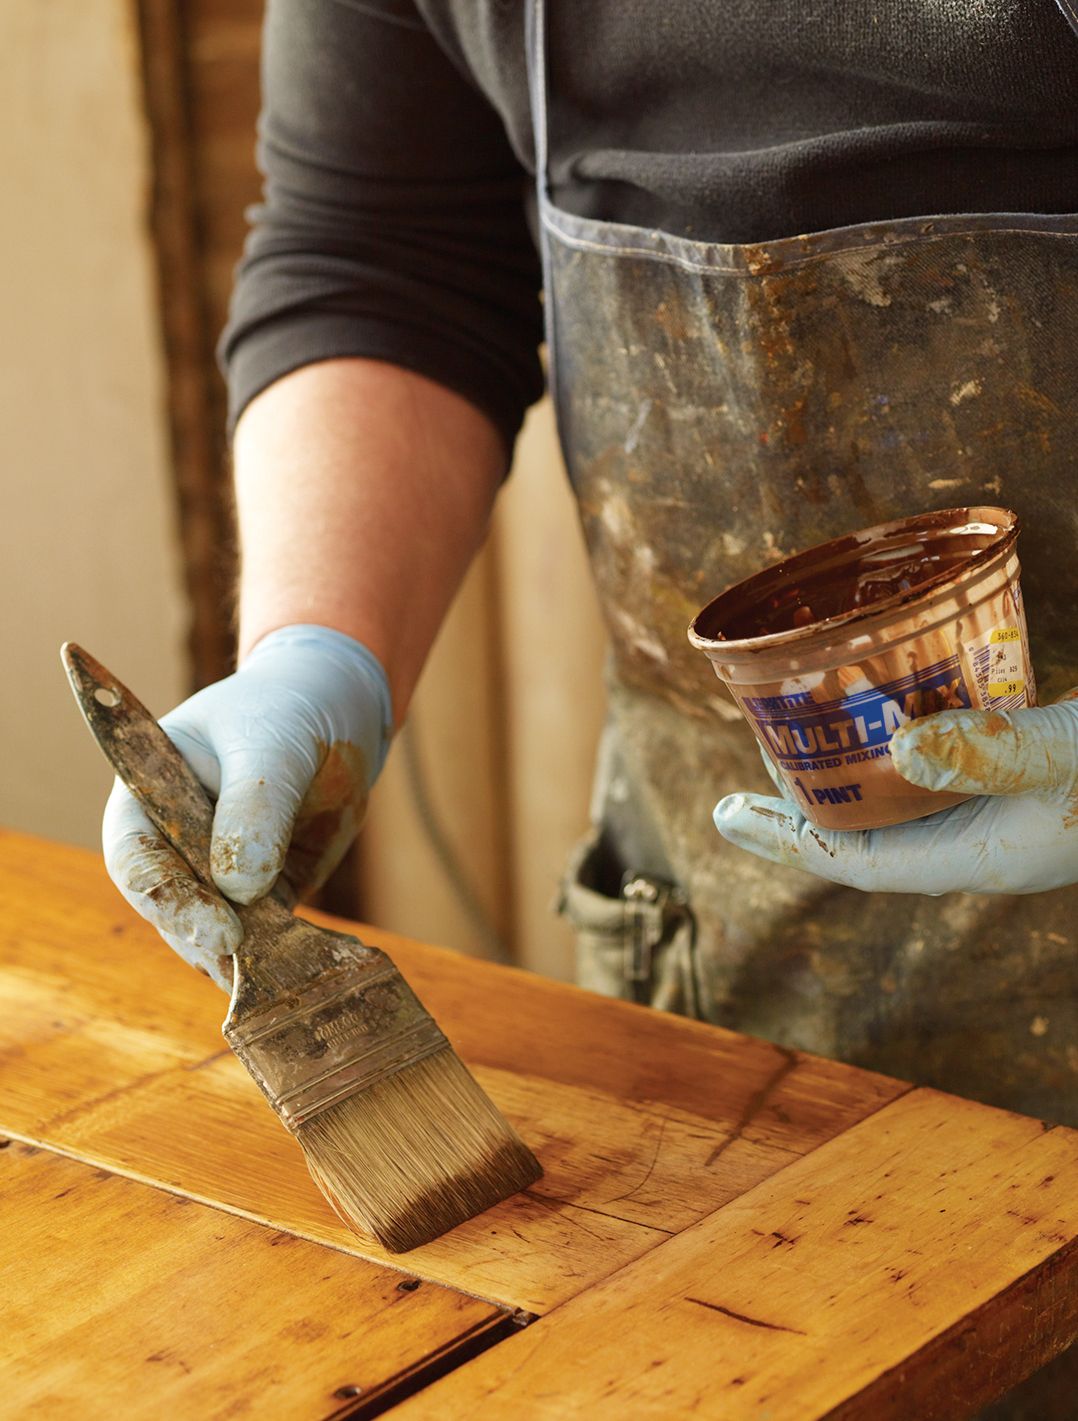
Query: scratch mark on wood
[600,1210]
[94,1103]
[209,1060]
[562,1214]
[740,1317]
[649,1171]
[755,1103]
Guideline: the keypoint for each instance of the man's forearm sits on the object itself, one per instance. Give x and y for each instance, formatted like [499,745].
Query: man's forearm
[363,492]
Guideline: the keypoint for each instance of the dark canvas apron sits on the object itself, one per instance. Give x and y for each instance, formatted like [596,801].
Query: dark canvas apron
[721,406]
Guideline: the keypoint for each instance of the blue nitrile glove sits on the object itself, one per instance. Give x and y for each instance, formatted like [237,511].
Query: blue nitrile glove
[1021,837]
[289,746]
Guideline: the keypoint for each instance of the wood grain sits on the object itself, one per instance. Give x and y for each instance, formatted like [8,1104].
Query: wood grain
[110,1051]
[918,1266]
[122,1300]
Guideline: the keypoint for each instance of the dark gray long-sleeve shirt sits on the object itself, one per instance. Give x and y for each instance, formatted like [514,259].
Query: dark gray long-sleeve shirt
[397,147]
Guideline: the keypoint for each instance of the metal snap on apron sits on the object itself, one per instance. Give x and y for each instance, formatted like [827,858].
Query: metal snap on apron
[722,406]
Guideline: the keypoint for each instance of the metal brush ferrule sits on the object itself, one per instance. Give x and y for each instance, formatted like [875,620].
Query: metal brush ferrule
[334,1038]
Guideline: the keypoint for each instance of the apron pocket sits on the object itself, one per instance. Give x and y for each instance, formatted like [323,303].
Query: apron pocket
[637,942]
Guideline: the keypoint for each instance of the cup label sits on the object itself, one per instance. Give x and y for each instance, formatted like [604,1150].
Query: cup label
[802,733]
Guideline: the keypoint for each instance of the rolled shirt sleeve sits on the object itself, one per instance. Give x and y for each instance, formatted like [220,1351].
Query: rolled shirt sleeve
[393,218]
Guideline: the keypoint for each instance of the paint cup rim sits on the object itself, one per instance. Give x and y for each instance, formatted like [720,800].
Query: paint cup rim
[884,609]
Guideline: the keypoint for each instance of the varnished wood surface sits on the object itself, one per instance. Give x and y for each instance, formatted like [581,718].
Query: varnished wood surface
[724,1229]
[126,1301]
[110,1051]
[916,1267]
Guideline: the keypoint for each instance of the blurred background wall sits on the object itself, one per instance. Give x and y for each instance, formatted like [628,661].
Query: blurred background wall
[128,140]
[88,542]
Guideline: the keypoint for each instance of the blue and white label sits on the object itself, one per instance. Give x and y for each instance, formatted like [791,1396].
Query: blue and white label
[802,733]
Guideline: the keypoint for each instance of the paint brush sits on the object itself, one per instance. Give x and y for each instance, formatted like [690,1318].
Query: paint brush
[396,1132]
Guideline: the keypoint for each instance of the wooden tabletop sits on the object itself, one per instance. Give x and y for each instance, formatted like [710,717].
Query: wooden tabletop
[724,1228]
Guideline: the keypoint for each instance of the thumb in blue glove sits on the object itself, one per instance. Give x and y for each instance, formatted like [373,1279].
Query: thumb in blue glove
[1019,836]
[289,746]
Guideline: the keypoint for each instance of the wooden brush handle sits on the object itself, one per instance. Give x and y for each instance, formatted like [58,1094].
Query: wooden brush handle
[145,759]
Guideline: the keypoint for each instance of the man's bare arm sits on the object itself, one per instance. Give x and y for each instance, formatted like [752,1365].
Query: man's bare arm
[363,493]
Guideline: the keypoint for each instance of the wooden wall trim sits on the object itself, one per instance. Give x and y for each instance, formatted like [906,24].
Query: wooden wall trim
[198,450]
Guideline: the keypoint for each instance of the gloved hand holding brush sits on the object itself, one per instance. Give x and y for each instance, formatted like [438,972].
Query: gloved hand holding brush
[397,1134]
[1019,836]
[289,745]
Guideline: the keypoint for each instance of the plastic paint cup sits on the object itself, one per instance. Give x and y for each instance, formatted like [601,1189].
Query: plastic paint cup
[828,652]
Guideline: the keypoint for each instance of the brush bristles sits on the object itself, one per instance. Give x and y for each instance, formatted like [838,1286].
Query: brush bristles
[416,1154]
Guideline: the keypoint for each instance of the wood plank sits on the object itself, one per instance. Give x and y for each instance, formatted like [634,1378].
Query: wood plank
[918,1266]
[122,1300]
[644,1123]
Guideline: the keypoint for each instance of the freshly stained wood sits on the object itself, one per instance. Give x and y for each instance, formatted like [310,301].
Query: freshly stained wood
[120,1300]
[725,1229]
[916,1267]
[110,1051]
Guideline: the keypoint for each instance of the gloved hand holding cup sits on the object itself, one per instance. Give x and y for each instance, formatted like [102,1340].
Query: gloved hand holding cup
[887,677]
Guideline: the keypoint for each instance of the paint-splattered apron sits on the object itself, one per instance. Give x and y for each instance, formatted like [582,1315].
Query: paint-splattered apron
[722,406]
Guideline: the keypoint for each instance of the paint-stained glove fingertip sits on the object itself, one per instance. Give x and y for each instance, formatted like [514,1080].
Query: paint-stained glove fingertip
[737,816]
[922,751]
[160,887]
[727,810]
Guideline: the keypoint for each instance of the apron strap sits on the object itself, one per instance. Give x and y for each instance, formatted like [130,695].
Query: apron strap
[536,57]
[535,52]
[1070,13]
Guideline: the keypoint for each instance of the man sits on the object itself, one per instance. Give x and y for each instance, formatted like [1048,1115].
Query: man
[728,392]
